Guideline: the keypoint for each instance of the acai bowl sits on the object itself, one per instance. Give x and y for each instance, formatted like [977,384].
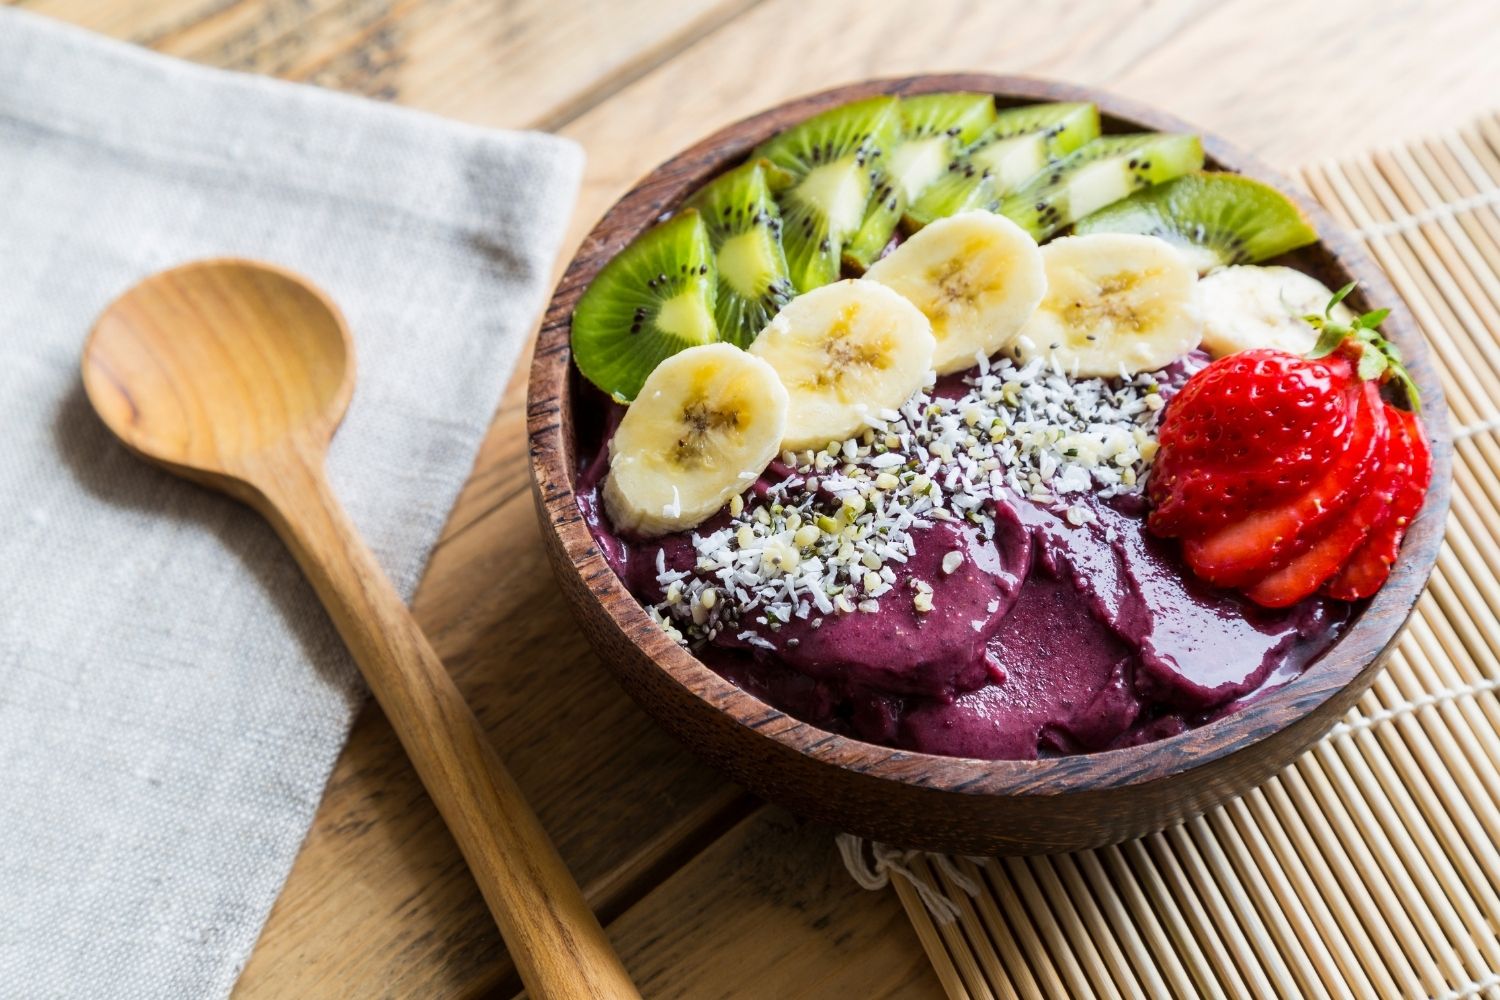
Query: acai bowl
[1022,642]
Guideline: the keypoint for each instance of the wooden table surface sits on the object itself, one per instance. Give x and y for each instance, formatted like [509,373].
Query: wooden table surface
[706,892]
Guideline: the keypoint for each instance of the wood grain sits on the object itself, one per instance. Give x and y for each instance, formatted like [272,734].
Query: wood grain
[920,800]
[235,374]
[377,904]
[765,911]
[526,64]
[1274,76]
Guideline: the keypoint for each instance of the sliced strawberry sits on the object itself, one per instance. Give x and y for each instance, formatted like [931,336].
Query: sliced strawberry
[1371,563]
[1253,546]
[1207,500]
[1280,473]
[1310,569]
[1249,429]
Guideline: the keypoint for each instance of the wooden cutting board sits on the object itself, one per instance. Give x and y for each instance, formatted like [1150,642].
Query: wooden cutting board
[707,893]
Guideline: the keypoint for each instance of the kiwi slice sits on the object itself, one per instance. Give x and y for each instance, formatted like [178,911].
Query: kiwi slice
[1219,218]
[1099,173]
[834,159]
[655,298]
[744,228]
[935,128]
[1019,144]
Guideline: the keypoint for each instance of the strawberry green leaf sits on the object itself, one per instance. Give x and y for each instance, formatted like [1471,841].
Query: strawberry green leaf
[1330,337]
[1338,297]
[1372,363]
[1378,358]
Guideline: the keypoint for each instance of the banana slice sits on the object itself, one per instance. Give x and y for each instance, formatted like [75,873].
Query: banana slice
[844,352]
[977,277]
[1115,303]
[1247,306]
[705,425]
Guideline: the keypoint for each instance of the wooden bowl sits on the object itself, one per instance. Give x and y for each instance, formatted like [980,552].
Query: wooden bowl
[919,800]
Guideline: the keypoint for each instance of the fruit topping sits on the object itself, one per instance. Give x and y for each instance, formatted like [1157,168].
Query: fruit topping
[1099,173]
[1281,467]
[705,425]
[836,160]
[1258,539]
[1371,563]
[935,128]
[1216,218]
[845,352]
[1220,457]
[1302,574]
[655,298]
[1245,307]
[977,277]
[1116,304]
[744,228]
[830,191]
[1285,474]
[1018,145]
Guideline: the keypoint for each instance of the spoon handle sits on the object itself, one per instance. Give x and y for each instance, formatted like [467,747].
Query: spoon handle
[552,936]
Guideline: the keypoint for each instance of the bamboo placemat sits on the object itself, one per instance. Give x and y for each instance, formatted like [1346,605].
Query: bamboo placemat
[1368,868]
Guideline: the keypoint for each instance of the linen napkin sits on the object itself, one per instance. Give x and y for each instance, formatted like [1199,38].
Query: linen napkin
[172,697]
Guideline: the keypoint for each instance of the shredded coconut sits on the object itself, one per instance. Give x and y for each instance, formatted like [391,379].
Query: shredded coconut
[823,541]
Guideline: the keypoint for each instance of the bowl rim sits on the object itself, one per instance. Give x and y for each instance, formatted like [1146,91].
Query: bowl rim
[1350,661]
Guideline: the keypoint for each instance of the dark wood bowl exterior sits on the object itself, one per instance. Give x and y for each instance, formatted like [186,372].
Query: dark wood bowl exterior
[942,803]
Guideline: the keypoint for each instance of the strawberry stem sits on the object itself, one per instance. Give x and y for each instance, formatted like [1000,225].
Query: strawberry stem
[1375,357]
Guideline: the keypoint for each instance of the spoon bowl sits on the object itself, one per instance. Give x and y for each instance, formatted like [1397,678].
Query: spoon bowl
[170,364]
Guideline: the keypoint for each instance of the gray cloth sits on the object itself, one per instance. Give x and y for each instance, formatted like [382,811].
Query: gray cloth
[172,697]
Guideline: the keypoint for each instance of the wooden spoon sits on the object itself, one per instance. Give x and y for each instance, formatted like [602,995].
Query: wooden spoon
[235,374]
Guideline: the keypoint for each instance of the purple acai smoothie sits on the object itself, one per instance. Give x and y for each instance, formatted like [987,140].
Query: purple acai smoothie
[971,585]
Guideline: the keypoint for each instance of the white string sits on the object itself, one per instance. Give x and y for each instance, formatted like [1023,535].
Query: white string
[852,849]
[1469,430]
[891,861]
[1406,707]
[1448,210]
[958,878]
[1472,989]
